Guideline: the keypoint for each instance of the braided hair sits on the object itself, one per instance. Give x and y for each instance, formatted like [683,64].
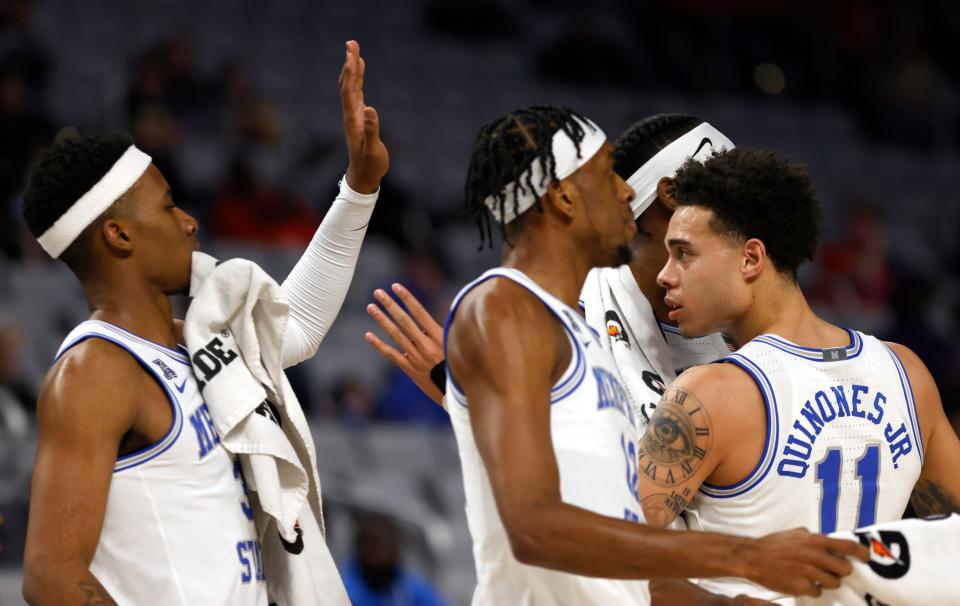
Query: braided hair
[642,140]
[503,151]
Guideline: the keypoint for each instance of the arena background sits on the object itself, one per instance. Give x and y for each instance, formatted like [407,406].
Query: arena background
[237,102]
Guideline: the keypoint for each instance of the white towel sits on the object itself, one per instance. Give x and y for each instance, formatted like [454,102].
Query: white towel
[235,324]
[912,563]
[616,308]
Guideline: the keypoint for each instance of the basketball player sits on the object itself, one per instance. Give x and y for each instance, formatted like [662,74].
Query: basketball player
[133,499]
[808,424]
[544,427]
[624,304]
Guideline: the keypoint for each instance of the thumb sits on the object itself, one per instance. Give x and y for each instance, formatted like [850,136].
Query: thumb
[371,124]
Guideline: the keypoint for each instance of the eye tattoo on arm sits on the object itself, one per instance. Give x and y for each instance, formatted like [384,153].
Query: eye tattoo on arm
[677,439]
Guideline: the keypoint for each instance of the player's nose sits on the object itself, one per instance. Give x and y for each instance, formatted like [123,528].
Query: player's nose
[667,279]
[190,225]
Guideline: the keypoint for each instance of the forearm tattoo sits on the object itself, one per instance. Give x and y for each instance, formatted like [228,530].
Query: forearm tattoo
[676,440]
[96,595]
[927,500]
[660,509]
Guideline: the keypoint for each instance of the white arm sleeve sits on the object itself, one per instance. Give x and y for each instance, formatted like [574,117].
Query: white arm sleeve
[319,282]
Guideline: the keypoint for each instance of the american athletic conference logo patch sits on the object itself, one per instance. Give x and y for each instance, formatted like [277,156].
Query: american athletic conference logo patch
[889,552]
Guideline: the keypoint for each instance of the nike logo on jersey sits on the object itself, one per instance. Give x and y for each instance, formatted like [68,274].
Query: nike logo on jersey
[181,386]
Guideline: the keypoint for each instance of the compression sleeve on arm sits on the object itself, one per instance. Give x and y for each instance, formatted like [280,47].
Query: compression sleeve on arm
[319,282]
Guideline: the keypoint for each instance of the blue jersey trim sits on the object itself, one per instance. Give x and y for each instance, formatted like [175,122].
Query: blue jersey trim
[576,372]
[911,402]
[147,453]
[178,356]
[767,457]
[671,329]
[812,354]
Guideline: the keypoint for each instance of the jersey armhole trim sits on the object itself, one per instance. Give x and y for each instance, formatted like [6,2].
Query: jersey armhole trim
[142,455]
[568,382]
[907,388]
[771,441]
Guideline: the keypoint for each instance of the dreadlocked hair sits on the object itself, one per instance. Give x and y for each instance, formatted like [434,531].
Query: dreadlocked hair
[642,140]
[503,151]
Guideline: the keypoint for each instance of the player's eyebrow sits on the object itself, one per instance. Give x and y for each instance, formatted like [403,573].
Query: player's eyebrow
[677,242]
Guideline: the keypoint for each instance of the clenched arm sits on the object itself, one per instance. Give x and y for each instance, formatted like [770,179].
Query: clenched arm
[81,420]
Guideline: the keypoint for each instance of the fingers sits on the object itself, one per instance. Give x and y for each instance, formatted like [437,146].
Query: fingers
[371,124]
[388,352]
[391,329]
[820,578]
[403,320]
[351,84]
[420,314]
[847,547]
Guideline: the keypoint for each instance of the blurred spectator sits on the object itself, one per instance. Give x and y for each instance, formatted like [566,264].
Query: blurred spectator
[25,132]
[376,576]
[246,207]
[14,421]
[248,117]
[353,402]
[20,49]
[854,279]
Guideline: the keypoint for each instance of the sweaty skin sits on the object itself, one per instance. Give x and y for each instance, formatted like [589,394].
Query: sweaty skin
[140,258]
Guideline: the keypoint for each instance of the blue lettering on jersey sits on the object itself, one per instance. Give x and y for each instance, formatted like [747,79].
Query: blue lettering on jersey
[822,409]
[611,394]
[202,424]
[251,562]
[898,441]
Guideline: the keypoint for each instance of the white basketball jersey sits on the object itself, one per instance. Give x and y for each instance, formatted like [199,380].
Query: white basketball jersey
[178,527]
[843,447]
[594,435]
[693,351]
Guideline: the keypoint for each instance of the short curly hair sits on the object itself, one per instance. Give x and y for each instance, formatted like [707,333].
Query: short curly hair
[644,138]
[62,174]
[755,193]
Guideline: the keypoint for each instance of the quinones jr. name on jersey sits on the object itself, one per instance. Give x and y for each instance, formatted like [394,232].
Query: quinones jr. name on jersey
[828,406]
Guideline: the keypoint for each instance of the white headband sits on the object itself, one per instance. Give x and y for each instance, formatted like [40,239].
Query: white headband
[698,144]
[567,162]
[121,177]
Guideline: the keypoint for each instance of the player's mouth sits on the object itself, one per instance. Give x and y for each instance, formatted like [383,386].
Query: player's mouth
[673,308]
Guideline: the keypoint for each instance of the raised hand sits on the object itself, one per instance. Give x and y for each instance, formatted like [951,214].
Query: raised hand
[798,562]
[369,159]
[419,339]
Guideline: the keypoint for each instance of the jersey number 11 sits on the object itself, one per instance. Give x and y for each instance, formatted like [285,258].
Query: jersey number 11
[828,476]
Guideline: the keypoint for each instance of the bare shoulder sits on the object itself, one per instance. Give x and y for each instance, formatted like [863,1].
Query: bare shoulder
[496,326]
[719,385]
[916,369]
[94,377]
[494,310]
[921,381]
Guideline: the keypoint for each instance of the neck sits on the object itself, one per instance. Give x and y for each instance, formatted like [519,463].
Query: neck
[133,305]
[556,264]
[780,308]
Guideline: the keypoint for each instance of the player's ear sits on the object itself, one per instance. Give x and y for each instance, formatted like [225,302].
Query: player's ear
[117,235]
[665,193]
[754,259]
[561,197]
